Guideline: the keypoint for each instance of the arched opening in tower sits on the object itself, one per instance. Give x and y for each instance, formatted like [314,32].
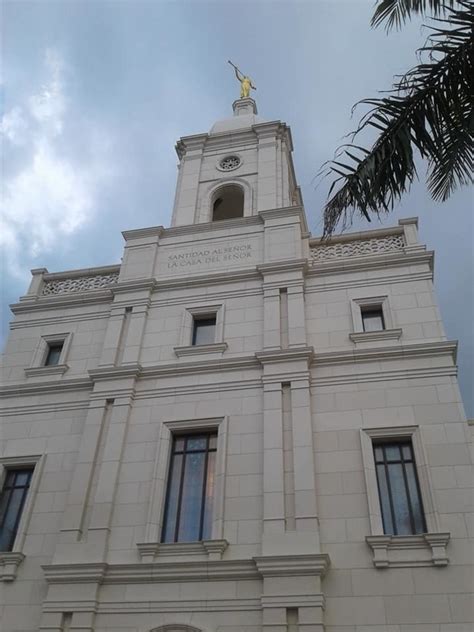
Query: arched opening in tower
[228,203]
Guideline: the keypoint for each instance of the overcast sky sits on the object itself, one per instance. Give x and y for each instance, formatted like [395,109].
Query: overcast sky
[95,95]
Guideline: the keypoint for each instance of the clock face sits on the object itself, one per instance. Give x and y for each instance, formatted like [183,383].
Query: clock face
[229,163]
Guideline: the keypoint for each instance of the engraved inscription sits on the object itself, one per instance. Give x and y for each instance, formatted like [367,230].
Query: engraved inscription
[209,256]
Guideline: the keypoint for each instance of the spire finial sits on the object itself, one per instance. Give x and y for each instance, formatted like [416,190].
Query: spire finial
[245,82]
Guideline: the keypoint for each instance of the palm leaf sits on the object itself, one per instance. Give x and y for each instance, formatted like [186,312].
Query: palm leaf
[430,111]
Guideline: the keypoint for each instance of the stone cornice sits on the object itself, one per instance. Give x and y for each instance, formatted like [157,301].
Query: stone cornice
[293,565]
[206,227]
[140,233]
[193,350]
[384,376]
[112,373]
[134,285]
[188,570]
[43,388]
[283,266]
[371,262]
[357,236]
[70,274]
[375,336]
[77,299]
[46,371]
[9,563]
[276,356]
[407,350]
[286,211]
[217,278]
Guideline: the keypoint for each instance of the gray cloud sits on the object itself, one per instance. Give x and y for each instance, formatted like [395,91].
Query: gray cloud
[134,76]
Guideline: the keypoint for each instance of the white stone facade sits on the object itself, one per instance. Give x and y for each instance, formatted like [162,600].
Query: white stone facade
[296,391]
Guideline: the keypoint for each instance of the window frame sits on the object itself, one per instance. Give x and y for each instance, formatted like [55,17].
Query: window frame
[400,443]
[370,436]
[359,335]
[207,451]
[10,560]
[155,516]
[38,366]
[203,318]
[372,309]
[13,487]
[186,346]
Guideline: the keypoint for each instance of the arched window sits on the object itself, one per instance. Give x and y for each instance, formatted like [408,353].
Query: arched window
[228,202]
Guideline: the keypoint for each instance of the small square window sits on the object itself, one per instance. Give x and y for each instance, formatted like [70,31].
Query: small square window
[53,353]
[204,329]
[372,318]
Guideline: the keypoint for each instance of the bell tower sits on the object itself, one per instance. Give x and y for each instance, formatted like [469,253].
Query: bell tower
[242,166]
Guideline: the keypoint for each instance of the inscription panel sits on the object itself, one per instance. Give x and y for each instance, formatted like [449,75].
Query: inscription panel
[216,257]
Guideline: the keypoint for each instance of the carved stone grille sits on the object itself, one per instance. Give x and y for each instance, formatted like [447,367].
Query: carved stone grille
[229,163]
[374,246]
[80,284]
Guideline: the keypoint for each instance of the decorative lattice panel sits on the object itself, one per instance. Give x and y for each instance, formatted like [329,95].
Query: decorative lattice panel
[374,246]
[80,284]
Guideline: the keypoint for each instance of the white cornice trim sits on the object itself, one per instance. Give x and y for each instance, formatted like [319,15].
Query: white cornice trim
[112,373]
[283,266]
[46,371]
[276,356]
[293,565]
[140,233]
[286,211]
[375,336]
[206,227]
[409,551]
[196,350]
[384,376]
[71,274]
[371,262]
[408,350]
[357,236]
[9,563]
[75,299]
[43,388]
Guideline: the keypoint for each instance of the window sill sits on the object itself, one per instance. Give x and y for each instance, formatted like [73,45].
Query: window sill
[375,336]
[405,551]
[206,550]
[36,371]
[9,563]
[191,350]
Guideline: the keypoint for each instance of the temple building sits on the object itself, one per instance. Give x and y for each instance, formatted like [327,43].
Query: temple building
[240,428]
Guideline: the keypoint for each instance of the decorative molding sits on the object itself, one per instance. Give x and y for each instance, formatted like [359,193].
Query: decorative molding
[191,350]
[359,282]
[382,376]
[386,260]
[208,549]
[45,388]
[78,284]
[283,266]
[408,551]
[293,565]
[408,350]
[375,336]
[276,356]
[114,372]
[9,563]
[155,572]
[46,371]
[357,248]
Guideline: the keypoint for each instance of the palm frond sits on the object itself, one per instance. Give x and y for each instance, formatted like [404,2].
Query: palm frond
[396,12]
[429,110]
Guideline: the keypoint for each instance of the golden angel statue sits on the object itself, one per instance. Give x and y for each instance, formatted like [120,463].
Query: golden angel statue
[245,82]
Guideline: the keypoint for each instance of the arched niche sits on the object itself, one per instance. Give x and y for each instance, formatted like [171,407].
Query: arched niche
[227,202]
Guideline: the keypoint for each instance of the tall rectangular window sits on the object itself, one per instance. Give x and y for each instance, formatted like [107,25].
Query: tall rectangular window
[190,494]
[372,318]
[53,353]
[399,490]
[204,329]
[12,501]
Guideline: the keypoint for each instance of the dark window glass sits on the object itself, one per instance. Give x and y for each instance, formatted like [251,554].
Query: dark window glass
[399,491]
[189,499]
[12,501]
[204,330]
[372,319]
[54,353]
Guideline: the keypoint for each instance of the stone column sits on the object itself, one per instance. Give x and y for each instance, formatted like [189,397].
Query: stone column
[296,316]
[271,318]
[273,467]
